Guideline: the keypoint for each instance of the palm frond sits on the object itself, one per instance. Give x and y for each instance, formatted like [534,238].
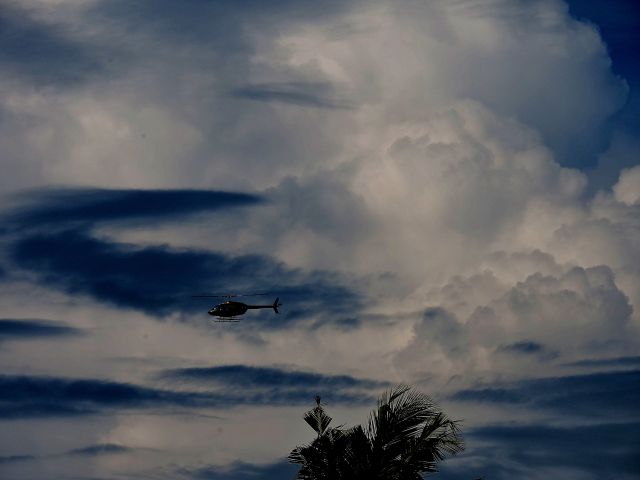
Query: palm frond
[358,454]
[400,415]
[323,458]
[317,419]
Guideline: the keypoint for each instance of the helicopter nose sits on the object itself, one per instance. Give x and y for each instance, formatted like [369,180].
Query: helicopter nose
[212,311]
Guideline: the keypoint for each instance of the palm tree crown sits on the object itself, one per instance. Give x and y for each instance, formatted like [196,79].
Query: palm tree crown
[405,437]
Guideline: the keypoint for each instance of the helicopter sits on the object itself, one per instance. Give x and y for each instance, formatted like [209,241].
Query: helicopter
[229,310]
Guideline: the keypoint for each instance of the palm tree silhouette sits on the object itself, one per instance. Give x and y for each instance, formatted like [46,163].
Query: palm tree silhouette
[405,437]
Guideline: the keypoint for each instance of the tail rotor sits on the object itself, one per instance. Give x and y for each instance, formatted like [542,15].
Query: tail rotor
[276,304]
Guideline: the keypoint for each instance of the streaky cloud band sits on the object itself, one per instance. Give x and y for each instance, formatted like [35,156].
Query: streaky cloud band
[160,280]
[17,329]
[23,396]
[633,361]
[88,206]
[305,94]
[613,394]
[251,377]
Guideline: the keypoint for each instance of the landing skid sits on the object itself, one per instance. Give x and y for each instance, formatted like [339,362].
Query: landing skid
[226,320]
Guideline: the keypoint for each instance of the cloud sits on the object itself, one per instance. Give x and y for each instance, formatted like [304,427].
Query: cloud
[454,188]
[622,155]
[88,451]
[472,50]
[607,362]
[597,395]
[607,450]
[35,396]
[527,348]
[46,54]
[200,20]
[182,63]
[319,95]
[16,458]
[243,471]
[13,329]
[439,341]
[100,449]
[244,376]
[628,186]
[546,307]
[70,206]
[536,320]
[160,280]
[442,189]
[619,29]
[521,347]
[25,396]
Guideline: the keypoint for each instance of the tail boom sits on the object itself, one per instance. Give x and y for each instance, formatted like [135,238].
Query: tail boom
[275,306]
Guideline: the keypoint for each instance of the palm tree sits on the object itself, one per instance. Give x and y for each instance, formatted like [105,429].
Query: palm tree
[324,457]
[405,437]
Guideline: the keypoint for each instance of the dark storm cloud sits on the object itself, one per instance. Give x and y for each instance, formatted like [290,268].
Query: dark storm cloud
[13,329]
[596,395]
[88,451]
[521,347]
[211,22]
[16,458]
[224,27]
[195,19]
[479,465]
[251,377]
[92,205]
[607,451]
[100,449]
[499,452]
[160,280]
[528,348]
[27,396]
[607,362]
[45,54]
[35,396]
[244,471]
[320,95]
[53,240]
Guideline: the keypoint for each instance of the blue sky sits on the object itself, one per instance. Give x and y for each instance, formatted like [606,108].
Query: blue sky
[444,194]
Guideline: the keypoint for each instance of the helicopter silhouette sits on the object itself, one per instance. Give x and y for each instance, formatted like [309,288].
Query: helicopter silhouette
[229,310]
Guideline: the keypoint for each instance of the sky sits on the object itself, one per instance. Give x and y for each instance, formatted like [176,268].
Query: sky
[444,194]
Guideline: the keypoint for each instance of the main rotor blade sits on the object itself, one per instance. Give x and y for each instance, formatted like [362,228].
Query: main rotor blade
[232,295]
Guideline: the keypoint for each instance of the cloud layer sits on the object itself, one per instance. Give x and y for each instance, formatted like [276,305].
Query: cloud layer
[32,396]
[416,181]
[14,329]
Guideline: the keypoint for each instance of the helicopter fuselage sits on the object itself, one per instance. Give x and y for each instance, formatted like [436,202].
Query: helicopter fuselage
[231,309]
